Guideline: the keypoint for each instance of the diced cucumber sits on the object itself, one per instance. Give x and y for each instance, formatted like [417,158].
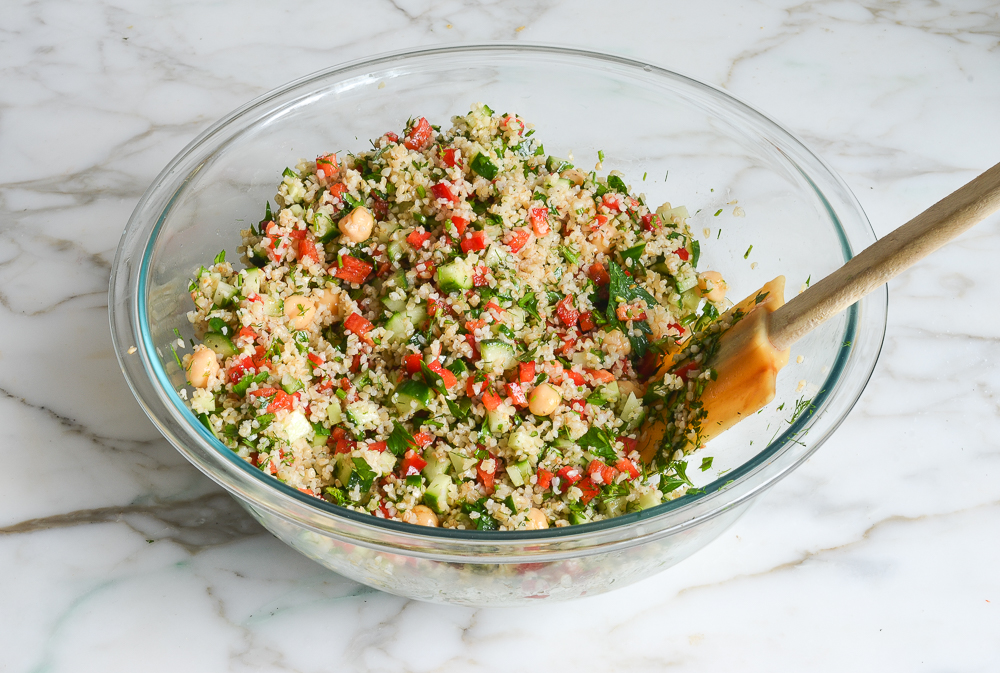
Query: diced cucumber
[578,517]
[461,463]
[667,214]
[455,276]
[399,279]
[323,227]
[320,435]
[400,326]
[436,495]
[410,392]
[521,440]
[395,252]
[273,307]
[394,305]
[519,473]
[561,443]
[220,343]
[650,498]
[610,392]
[363,414]
[290,384]
[687,282]
[518,317]
[224,293]
[334,413]
[556,165]
[344,468]
[296,426]
[251,281]
[690,299]
[435,465]
[497,355]
[613,506]
[632,412]
[660,266]
[495,256]
[417,314]
[499,420]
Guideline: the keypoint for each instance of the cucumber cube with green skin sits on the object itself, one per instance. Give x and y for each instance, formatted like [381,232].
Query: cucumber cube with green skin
[435,466]
[323,227]
[410,392]
[220,343]
[251,281]
[400,326]
[334,413]
[497,355]
[650,498]
[557,165]
[290,385]
[393,304]
[417,314]
[395,252]
[455,276]
[690,299]
[436,495]
[519,473]
[578,517]
[632,412]
[613,506]
[224,293]
[484,166]
[344,468]
[499,421]
[461,463]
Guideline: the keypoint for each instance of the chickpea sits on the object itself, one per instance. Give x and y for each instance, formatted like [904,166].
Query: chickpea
[330,300]
[202,367]
[358,225]
[617,343]
[712,285]
[574,175]
[536,520]
[421,515]
[544,400]
[300,311]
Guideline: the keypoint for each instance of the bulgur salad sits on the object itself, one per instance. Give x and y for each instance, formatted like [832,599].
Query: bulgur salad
[456,329]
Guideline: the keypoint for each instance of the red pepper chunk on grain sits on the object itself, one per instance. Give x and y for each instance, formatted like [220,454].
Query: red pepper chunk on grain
[352,269]
[419,135]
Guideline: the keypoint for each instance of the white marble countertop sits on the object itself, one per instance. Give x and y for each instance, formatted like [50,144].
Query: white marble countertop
[881,553]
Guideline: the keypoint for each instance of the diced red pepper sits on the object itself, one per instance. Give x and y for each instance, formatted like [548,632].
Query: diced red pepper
[630,312]
[326,165]
[539,220]
[343,445]
[683,253]
[282,402]
[685,370]
[614,202]
[512,122]
[378,446]
[412,363]
[600,467]
[448,378]
[517,238]
[526,372]
[477,240]
[460,224]
[356,362]
[352,269]
[449,157]
[601,220]
[380,207]
[442,190]
[471,340]
[412,464]
[543,478]
[419,135]
[567,314]
[568,476]
[358,324]
[601,375]
[486,478]
[432,307]
[423,439]
[473,325]
[425,270]
[306,249]
[417,238]
[575,377]
[599,274]
[515,393]
[263,392]
[297,234]
[474,388]
[479,276]
[586,321]
[589,488]
[246,332]
[491,401]
[626,465]
[567,346]
[392,137]
[316,360]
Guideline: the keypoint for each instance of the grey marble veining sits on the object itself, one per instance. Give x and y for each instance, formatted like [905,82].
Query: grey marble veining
[880,553]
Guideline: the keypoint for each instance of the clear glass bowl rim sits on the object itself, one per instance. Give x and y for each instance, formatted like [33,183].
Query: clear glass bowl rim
[129,326]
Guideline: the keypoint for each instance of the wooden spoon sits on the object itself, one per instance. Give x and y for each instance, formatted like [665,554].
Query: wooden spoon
[751,353]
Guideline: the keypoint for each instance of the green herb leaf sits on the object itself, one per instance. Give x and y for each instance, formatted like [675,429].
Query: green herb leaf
[365,473]
[706,463]
[484,166]
[616,184]
[221,257]
[399,440]
[600,444]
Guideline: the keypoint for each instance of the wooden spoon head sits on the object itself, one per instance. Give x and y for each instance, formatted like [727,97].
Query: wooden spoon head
[746,365]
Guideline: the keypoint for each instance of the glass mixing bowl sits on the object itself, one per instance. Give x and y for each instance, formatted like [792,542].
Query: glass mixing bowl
[674,138]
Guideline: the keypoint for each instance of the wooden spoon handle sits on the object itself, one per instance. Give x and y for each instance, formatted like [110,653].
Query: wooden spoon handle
[886,258]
